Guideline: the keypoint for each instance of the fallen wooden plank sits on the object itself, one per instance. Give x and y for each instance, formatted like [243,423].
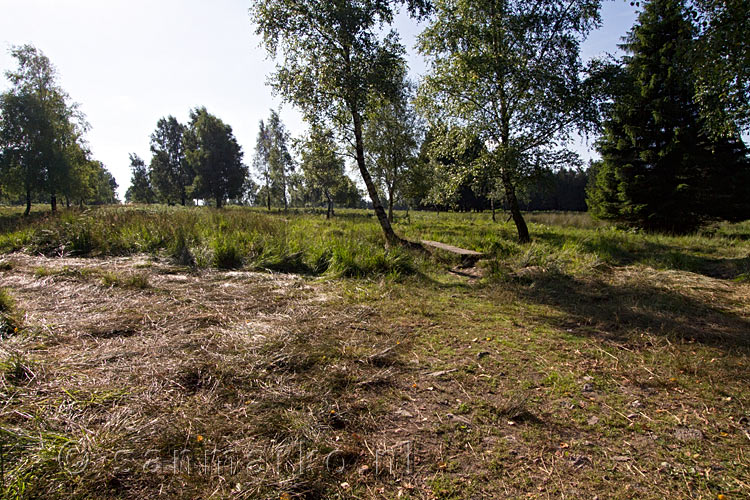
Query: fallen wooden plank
[452,249]
[468,257]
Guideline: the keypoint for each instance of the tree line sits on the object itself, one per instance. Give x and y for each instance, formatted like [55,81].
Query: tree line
[507,90]
[489,126]
[201,160]
[43,152]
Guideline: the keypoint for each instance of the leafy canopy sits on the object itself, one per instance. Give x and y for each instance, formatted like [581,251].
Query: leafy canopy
[510,73]
[213,153]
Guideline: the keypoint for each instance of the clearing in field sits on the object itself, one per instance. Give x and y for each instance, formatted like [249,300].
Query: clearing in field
[191,353]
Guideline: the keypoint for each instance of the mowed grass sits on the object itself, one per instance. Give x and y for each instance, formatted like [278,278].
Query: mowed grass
[194,353]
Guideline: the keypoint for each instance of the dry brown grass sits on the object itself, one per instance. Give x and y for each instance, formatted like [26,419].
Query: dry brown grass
[208,384]
[237,366]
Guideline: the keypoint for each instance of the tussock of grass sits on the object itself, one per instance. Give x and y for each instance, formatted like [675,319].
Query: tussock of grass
[9,317]
[134,280]
[7,304]
[17,370]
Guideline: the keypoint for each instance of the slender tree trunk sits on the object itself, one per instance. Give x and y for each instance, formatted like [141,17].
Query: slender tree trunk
[283,190]
[28,202]
[390,206]
[67,201]
[183,196]
[515,211]
[53,202]
[329,213]
[268,195]
[510,189]
[390,236]
[218,201]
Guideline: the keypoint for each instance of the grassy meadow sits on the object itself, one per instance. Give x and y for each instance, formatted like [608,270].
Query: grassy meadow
[201,353]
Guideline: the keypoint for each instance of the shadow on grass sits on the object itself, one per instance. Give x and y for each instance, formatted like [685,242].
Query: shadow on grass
[615,312]
[364,215]
[10,222]
[619,250]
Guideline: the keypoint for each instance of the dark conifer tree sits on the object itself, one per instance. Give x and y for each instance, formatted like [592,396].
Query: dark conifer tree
[660,169]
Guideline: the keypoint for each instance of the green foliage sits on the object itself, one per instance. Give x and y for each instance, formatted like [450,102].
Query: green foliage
[511,74]
[661,169]
[140,190]
[390,137]
[169,171]
[9,321]
[322,165]
[179,248]
[41,145]
[723,66]
[272,160]
[227,252]
[446,159]
[212,152]
[42,150]
[136,280]
[570,244]
[16,369]
[227,239]
[335,61]
[362,260]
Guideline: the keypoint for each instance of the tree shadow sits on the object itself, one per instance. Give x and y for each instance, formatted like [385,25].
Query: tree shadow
[16,221]
[618,251]
[613,312]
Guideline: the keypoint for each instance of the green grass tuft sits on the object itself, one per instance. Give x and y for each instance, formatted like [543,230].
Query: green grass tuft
[9,317]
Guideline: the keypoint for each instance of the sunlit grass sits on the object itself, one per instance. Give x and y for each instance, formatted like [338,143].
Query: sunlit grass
[352,244]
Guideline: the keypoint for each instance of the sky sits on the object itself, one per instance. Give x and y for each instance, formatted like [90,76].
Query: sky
[130,62]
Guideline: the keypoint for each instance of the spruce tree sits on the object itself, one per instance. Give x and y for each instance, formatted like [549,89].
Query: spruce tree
[661,171]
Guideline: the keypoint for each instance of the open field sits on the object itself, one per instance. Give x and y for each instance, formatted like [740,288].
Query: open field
[195,353]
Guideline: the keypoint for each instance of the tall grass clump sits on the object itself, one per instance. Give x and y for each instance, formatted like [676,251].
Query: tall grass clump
[357,260]
[227,252]
[179,249]
[351,244]
[9,321]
